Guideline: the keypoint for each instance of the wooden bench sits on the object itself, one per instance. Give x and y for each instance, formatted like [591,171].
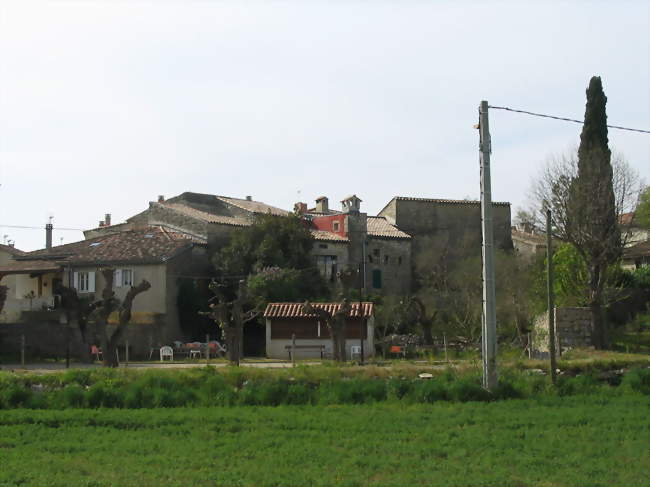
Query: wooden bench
[320,348]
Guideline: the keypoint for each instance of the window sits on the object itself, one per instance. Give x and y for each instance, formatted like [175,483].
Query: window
[386,259]
[123,278]
[327,266]
[376,279]
[84,282]
[322,246]
[127,277]
[375,253]
[335,226]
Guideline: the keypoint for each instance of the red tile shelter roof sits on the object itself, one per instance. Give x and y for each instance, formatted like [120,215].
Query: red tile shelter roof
[150,245]
[294,310]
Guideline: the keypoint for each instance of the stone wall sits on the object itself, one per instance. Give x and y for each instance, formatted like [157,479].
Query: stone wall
[573,329]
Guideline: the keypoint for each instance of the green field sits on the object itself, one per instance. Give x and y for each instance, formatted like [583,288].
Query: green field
[581,440]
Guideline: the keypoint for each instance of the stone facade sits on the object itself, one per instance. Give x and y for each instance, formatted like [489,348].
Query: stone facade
[573,329]
[448,230]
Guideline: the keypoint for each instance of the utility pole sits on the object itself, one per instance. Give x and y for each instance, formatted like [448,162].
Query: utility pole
[551,296]
[489,342]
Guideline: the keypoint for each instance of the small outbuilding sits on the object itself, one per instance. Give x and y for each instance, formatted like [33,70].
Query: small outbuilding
[313,337]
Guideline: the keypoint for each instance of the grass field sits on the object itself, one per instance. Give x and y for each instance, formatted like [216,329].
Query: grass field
[582,440]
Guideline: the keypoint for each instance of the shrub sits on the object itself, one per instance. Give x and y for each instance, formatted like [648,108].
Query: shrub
[637,380]
[429,391]
[15,395]
[467,389]
[103,395]
[72,396]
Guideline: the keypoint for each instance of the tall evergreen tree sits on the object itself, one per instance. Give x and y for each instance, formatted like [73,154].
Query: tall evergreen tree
[591,224]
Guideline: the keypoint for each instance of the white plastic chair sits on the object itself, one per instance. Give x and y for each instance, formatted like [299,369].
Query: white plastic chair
[355,350]
[166,351]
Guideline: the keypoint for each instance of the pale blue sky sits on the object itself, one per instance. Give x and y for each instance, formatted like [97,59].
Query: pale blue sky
[106,104]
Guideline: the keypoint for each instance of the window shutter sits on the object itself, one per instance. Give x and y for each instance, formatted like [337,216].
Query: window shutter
[117,278]
[75,280]
[91,282]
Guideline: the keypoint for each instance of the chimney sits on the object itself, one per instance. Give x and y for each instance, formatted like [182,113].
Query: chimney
[300,208]
[48,236]
[101,223]
[322,204]
[249,198]
[161,198]
[107,219]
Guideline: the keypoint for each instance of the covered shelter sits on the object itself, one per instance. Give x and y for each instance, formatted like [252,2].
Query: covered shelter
[313,338]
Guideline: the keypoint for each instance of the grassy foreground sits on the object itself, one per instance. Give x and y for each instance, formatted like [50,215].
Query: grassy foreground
[594,440]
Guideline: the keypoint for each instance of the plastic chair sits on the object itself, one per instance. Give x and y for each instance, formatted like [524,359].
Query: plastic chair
[97,352]
[166,351]
[355,350]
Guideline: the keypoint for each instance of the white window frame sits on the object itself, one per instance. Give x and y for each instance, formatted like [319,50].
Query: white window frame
[120,277]
[84,281]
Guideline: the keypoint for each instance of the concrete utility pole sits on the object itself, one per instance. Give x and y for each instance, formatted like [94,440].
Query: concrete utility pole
[551,296]
[489,340]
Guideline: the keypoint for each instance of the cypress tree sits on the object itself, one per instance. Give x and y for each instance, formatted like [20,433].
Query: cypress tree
[592,225]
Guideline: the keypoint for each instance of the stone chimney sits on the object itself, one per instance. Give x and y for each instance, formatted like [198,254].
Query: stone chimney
[300,208]
[249,198]
[107,219]
[322,204]
[101,223]
[161,198]
[351,204]
[48,236]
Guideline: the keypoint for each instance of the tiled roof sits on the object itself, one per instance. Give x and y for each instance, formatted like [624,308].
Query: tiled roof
[327,236]
[11,250]
[256,207]
[642,249]
[451,202]
[205,216]
[29,266]
[378,226]
[294,310]
[143,246]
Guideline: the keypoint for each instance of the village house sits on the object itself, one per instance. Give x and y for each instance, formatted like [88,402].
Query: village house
[155,254]
[527,242]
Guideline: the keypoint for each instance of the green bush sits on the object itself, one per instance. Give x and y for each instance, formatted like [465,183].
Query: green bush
[104,395]
[429,391]
[15,395]
[468,389]
[637,380]
[72,396]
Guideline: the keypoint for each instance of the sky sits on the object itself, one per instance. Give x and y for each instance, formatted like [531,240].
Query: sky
[104,105]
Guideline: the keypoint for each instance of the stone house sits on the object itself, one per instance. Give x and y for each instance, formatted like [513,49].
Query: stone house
[527,243]
[636,256]
[153,253]
[445,230]
[371,243]
[286,319]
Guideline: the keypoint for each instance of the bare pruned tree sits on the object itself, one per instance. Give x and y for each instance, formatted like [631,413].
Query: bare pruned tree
[551,188]
[336,323]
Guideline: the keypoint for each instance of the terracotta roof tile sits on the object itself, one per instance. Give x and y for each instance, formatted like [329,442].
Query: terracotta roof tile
[25,266]
[294,310]
[642,249]
[207,217]
[256,207]
[11,250]
[378,226]
[328,236]
[143,246]
[450,202]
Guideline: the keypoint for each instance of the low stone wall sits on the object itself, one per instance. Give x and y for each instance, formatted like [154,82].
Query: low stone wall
[573,329]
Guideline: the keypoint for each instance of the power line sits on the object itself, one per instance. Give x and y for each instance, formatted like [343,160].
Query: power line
[41,228]
[566,119]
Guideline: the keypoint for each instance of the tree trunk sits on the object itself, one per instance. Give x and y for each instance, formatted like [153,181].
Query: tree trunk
[598,322]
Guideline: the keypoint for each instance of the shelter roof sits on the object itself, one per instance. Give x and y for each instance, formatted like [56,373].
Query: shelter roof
[256,207]
[205,216]
[294,310]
